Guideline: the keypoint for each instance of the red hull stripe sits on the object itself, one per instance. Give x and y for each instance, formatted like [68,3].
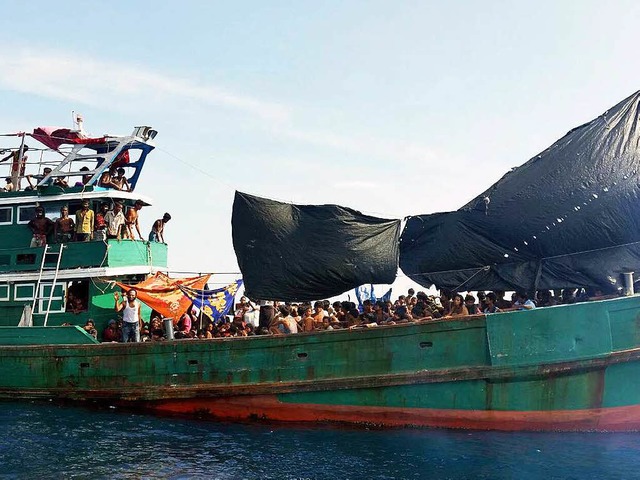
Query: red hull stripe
[268,407]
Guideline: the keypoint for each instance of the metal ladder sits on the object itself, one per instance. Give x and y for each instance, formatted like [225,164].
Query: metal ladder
[36,293]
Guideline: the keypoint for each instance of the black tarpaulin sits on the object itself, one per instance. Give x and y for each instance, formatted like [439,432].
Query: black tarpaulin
[304,252]
[569,217]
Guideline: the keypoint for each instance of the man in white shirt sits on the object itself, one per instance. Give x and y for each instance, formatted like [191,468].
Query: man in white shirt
[115,221]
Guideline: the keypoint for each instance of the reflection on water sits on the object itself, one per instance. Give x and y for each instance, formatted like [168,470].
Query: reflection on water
[48,441]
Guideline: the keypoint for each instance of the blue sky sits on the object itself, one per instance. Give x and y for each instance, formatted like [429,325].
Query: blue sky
[392,108]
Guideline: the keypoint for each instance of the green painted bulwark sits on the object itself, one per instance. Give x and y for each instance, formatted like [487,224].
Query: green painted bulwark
[45,335]
[552,334]
[131,252]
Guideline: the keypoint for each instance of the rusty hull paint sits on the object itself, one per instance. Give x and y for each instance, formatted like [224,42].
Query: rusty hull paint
[268,408]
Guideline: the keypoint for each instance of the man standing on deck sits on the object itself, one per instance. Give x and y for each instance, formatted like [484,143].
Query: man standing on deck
[157,231]
[132,220]
[18,164]
[85,219]
[131,315]
[100,233]
[41,226]
[115,221]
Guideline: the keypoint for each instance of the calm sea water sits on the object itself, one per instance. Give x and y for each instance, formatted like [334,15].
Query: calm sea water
[48,441]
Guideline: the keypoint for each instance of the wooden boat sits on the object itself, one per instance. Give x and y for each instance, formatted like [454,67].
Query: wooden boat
[562,368]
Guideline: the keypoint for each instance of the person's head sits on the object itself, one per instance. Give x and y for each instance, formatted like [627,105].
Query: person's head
[113,171]
[104,207]
[46,171]
[284,310]
[522,296]
[25,148]
[117,207]
[411,292]
[138,205]
[132,294]
[85,205]
[111,324]
[90,323]
[490,299]
[458,300]
[469,300]
[64,211]
[317,306]
[8,179]
[120,172]
[166,217]
[544,295]
[39,212]
[367,307]
[379,306]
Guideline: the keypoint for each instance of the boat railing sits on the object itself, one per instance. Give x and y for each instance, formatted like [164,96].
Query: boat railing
[81,165]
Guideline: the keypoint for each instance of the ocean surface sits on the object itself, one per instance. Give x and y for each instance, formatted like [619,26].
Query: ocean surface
[43,440]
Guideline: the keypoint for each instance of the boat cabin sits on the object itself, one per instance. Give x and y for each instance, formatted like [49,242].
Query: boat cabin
[68,283]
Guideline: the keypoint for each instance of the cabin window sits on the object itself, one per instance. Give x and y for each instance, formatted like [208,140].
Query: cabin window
[23,291]
[5,260]
[6,215]
[4,292]
[57,298]
[26,213]
[77,296]
[26,258]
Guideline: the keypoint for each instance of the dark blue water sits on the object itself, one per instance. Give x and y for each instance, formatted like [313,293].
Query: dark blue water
[49,441]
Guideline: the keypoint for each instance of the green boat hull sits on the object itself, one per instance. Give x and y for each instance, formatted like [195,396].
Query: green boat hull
[571,367]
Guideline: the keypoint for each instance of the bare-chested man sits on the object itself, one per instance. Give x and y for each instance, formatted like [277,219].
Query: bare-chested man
[132,220]
[41,226]
[157,231]
[120,181]
[64,227]
[107,179]
[318,316]
[18,163]
[307,319]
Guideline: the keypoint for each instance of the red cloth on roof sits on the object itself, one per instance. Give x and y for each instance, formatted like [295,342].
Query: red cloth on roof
[53,137]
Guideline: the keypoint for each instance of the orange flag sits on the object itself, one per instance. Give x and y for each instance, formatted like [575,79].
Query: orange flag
[162,293]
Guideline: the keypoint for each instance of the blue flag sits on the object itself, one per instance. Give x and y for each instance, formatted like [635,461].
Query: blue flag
[213,303]
[365,292]
[387,296]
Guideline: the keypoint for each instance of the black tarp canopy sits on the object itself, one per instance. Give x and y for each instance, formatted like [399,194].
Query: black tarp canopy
[305,252]
[569,217]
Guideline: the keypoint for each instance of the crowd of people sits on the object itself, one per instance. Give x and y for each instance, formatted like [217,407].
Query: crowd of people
[113,178]
[273,318]
[107,223]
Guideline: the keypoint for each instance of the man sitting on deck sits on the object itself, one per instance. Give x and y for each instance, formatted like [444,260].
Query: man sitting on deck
[490,302]
[523,302]
[111,333]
